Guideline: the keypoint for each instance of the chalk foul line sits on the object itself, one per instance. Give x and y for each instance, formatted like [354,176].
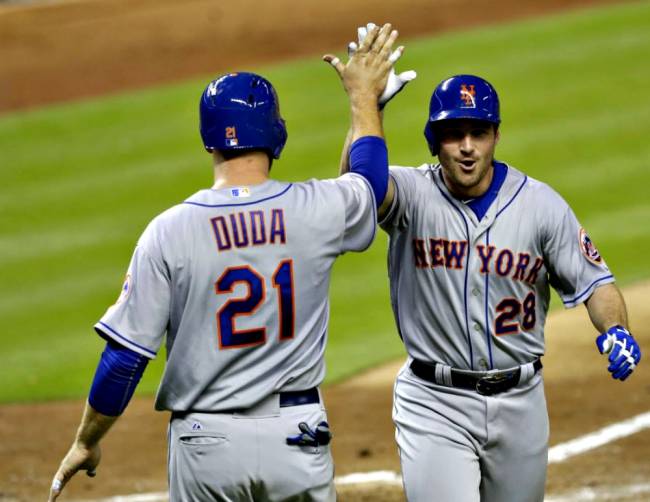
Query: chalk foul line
[604,493]
[561,452]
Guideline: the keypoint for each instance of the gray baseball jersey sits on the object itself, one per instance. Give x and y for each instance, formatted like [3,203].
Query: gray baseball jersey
[238,279]
[474,294]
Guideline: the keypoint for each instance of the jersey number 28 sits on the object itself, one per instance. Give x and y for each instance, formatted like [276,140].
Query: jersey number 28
[282,280]
[515,315]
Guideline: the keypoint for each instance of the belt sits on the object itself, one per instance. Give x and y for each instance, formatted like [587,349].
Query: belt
[285,399]
[485,383]
[299,397]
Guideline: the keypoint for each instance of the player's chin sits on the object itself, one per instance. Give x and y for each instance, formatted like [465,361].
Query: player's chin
[467,177]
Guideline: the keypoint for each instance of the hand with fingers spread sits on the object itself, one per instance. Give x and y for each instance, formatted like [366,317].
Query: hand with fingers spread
[395,82]
[364,79]
[366,72]
[78,458]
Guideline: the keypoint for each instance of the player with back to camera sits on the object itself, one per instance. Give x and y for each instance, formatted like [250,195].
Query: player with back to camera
[237,276]
[474,247]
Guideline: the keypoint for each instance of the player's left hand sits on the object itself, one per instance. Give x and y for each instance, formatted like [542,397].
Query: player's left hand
[395,82]
[624,352]
[320,436]
[78,458]
[366,72]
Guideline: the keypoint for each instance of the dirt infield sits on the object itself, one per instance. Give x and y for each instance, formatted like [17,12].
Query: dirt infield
[66,50]
[581,396]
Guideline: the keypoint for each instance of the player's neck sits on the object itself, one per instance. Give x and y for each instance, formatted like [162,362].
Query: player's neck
[249,169]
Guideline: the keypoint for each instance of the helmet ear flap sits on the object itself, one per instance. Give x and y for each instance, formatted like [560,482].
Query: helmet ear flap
[430,136]
[280,132]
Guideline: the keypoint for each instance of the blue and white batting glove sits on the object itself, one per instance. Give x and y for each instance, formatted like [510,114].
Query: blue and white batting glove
[624,352]
[320,436]
[395,82]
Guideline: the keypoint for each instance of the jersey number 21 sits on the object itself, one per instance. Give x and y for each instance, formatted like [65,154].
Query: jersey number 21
[281,280]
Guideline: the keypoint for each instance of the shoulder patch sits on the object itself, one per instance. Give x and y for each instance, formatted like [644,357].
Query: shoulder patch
[589,249]
[126,289]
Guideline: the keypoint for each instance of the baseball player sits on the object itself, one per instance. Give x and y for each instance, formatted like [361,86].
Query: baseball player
[475,246]
[237,278]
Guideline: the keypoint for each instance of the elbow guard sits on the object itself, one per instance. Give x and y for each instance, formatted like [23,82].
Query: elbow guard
[117,375]
[369,158]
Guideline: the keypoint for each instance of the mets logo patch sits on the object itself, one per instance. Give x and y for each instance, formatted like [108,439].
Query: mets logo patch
[126,289]
[589,249]
[468,96]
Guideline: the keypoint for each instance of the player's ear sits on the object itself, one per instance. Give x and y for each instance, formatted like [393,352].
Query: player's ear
[497,135]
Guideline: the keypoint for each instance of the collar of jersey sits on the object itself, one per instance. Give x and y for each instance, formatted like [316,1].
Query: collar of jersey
[481,204]
[222,198]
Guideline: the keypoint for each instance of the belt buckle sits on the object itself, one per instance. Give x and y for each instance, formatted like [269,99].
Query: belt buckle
[493,384]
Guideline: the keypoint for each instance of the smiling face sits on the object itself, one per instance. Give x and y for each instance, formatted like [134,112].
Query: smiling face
[466,154]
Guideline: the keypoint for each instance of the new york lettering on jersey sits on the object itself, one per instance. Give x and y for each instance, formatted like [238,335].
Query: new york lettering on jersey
[434,252]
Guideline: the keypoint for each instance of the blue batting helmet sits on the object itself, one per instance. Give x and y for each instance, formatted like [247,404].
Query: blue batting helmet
[461,97]
[240,111]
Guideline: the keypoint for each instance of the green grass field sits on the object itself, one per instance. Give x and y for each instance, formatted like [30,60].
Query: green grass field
[81,180]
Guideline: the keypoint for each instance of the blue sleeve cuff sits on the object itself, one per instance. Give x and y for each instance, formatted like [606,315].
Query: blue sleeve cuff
[118,373]
[369,158]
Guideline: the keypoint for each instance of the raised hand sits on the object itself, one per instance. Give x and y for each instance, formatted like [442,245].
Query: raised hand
[367,70]
[395,82]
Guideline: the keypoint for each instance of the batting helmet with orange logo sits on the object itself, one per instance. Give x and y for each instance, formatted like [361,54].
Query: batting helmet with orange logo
[240,111]
[461,97]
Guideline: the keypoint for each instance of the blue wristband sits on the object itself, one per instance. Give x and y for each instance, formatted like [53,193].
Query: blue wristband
[117,375]
[369,158]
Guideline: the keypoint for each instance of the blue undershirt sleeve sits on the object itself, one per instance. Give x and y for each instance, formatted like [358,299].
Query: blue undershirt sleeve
[369,158]
[117,375]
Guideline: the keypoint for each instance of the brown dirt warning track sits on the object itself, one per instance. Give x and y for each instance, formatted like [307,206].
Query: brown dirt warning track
[65,50]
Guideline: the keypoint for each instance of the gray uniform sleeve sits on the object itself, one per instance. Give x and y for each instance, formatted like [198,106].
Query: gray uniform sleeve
[398,214]
[574,265]
[139,318]
[360,212]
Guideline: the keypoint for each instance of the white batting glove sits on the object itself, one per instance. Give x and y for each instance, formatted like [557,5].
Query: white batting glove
[395,82]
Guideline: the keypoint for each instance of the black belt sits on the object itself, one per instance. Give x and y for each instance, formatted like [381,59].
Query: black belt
[299,397]
[286,398]
[485,384]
